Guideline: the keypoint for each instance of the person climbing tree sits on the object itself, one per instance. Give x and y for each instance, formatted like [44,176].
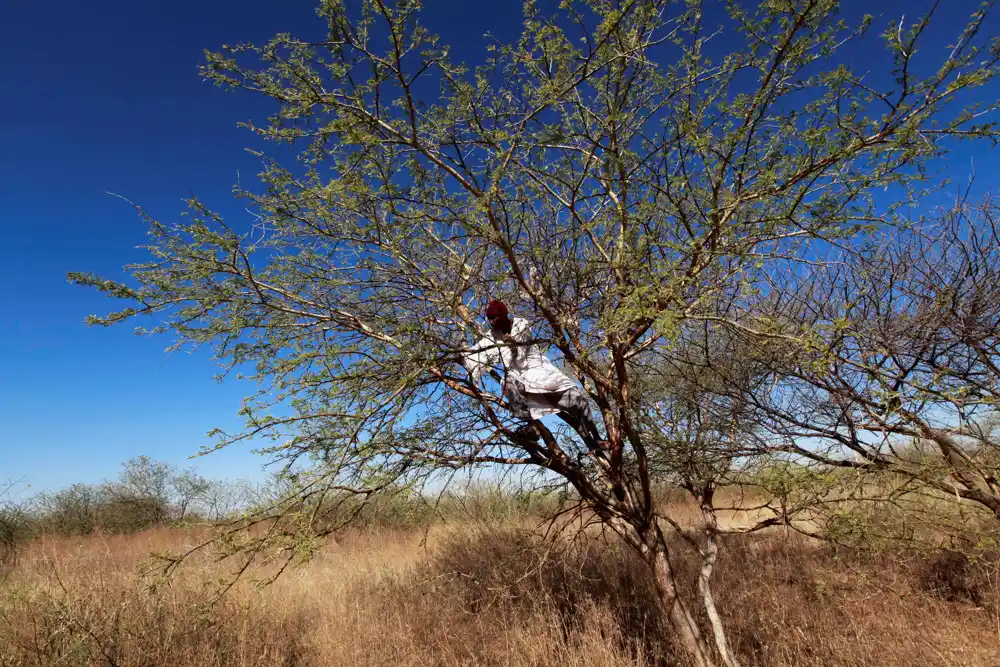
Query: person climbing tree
[532,384]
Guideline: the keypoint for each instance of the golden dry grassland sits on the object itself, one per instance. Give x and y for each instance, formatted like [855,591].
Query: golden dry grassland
[487,593]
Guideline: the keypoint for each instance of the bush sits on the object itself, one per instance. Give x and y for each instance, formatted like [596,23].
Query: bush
[404,509]
[9,540]
[14,529]
[953,576]
[147,493]
[513,570]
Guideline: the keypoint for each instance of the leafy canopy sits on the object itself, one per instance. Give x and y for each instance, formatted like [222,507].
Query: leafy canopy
[626,168]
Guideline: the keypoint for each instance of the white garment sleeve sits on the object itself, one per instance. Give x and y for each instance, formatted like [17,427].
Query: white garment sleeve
[484,356]
[520,331]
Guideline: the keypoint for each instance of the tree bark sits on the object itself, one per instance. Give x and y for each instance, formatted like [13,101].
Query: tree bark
[705,589]
[688,634]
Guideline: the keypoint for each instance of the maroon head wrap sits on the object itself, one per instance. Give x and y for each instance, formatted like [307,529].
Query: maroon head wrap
[496,308]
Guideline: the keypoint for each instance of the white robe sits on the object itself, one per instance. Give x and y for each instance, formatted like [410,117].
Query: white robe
[529,367]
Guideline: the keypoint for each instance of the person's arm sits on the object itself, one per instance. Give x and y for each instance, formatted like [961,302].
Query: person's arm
[481,359]
[520,333]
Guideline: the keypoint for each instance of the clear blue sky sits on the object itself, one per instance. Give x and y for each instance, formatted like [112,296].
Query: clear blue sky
[105,96]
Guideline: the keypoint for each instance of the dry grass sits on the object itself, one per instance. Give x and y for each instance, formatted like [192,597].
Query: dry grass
[477,595]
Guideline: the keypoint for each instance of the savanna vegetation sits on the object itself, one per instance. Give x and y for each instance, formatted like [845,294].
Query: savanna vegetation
[488,579]
[726,220]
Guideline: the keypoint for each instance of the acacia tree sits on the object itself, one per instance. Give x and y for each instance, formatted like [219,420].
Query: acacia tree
[141,495]
[619,170]
[889,360]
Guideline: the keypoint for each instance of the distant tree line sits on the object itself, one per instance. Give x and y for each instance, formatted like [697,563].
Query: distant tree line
[146,494]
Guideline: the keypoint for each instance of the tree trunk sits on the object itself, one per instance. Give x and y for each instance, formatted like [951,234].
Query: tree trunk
[705,589]
[681,620]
